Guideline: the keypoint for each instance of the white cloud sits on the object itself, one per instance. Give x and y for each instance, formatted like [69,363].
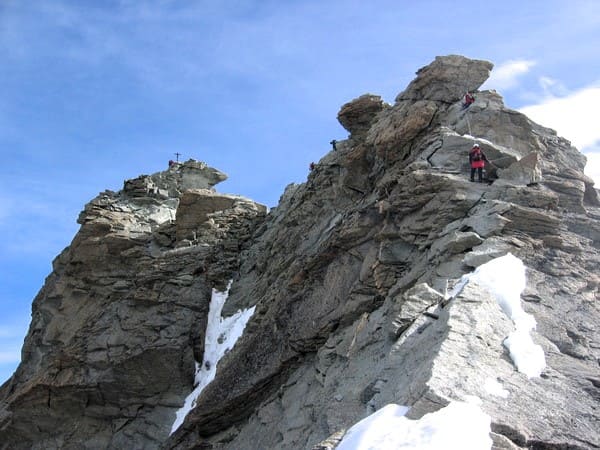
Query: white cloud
[573,116]
[505,76]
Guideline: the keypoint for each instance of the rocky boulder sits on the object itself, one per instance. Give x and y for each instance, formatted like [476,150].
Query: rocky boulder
[392,134]
[447,79]
[203,212]
[525,171]
[356,116]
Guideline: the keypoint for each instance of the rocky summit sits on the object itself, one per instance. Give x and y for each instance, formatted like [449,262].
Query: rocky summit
[360,283]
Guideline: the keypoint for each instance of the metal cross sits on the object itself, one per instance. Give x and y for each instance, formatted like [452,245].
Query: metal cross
[177,155]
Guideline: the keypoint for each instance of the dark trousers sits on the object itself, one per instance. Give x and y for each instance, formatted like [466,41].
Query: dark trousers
[479,173]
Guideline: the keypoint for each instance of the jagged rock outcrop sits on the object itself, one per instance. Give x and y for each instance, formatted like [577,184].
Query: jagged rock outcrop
[350,276]
[447,79]
[119,323]
[351,261]
[358,115]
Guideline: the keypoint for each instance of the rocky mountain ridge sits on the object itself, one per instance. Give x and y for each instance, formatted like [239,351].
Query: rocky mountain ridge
[350,275]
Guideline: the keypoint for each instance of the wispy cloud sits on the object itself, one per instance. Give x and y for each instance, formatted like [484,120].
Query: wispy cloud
[506,75]
[173,46]
[552,87]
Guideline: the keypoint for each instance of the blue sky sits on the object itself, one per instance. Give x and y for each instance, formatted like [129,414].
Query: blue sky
[95,92]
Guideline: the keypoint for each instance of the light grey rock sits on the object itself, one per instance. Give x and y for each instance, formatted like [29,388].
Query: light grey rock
[201,208]
[490,121]
[570,192]
[414,303]
[395,130]
[331,442]
[491,248]
[456,242]
[523,172]
[447,79]
[178,178]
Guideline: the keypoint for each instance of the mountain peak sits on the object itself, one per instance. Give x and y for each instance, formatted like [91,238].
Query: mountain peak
[447,79]
[388,277]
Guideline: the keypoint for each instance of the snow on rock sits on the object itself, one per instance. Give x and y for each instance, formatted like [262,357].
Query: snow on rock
[221,335]
[494,387]
[459,425]
[504,277]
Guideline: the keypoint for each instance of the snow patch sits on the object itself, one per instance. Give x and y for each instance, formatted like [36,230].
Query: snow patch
[494,387]
[479,140]
[504,277]
[220,337]
[459,425]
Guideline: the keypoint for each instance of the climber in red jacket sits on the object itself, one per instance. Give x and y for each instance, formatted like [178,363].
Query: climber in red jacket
[469,99]
[477,160]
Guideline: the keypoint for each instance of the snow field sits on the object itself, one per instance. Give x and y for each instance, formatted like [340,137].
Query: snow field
[458,426]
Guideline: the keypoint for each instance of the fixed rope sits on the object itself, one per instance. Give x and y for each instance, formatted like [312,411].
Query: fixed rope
[469,123]
[467,116]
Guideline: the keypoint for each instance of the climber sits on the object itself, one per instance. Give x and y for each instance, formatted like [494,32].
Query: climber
[312,166]
[171,163]
[333,144]
[477,160]
[468,100]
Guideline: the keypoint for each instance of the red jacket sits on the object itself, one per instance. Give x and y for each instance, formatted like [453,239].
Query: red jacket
[477,158]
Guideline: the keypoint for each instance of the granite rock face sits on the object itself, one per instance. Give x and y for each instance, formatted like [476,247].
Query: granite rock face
[350,275]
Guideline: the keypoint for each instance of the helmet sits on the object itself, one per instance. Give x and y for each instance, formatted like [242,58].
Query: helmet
[475,145]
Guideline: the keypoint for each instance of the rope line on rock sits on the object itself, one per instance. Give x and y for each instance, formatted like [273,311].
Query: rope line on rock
[469,124]
[467,115]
